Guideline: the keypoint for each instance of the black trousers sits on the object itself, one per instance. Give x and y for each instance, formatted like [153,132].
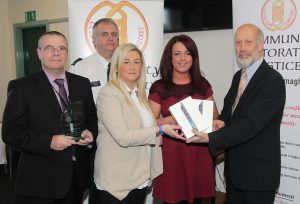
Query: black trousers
[196,201]
[74,196]
[93,194]
[136,196]
[93,191]
[237,196]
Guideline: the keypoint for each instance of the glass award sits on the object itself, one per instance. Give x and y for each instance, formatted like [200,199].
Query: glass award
[73,120]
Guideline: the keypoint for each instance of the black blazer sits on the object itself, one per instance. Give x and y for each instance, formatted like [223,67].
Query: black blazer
[31,117]
[252,132]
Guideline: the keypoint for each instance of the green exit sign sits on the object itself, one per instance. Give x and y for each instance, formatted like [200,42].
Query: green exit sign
[30,16]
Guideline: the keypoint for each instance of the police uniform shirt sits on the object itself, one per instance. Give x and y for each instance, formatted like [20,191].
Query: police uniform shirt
[93,67]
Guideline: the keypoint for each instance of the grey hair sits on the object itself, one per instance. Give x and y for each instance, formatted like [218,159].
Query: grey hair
[103,20]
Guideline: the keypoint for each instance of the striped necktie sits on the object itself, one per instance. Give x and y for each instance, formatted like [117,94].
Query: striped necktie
[62,93]
[241,88]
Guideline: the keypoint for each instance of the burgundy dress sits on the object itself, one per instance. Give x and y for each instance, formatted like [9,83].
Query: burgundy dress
[188,169]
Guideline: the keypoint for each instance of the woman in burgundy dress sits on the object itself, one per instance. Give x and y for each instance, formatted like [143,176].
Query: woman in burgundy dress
[188,170]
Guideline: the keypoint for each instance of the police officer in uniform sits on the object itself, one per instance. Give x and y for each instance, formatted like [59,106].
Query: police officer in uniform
[96,68]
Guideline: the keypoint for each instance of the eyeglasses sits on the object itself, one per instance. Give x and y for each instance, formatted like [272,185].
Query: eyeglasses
[51,49]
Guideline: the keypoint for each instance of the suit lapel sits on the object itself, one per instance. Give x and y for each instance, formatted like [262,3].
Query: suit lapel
[234,88]
[258,75]
[134,107]
[71,86]
[46,89]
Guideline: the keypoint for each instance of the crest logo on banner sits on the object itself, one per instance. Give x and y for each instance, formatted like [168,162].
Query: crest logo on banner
[122,13]
[278,14]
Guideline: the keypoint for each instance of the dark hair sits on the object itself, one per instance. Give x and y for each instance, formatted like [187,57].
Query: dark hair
[166,68]
[50,33]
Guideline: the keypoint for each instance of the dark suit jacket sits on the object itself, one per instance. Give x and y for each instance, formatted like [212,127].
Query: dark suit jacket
[252,133]
[31,117]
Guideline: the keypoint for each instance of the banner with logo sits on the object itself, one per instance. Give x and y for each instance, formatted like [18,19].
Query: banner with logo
[280,22]
[139,21]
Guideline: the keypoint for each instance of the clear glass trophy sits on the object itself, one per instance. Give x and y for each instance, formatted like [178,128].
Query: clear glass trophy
[73,120]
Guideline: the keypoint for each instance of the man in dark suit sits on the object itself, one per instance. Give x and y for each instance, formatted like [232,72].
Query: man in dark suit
[53,167]
[250,124]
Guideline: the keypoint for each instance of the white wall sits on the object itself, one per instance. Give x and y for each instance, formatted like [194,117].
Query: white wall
[216,58]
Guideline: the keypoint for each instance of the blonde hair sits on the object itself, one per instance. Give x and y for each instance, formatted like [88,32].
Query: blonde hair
[116,61]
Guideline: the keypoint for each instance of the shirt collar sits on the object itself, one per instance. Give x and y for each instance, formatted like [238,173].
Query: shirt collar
[52,78]
[252,69]
[103,61]
[53,84]
[130,91]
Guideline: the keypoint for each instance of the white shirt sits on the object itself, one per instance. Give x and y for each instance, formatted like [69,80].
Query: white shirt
[93,67]
[147,120]
[146,116]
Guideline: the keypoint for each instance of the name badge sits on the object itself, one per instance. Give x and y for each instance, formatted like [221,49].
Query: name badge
[95,83]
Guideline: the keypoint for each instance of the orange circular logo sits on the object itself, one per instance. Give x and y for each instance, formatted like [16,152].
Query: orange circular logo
[130,20]
[278,14]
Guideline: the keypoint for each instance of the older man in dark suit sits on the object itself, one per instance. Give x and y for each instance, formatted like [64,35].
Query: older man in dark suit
[250,124]
[53,167]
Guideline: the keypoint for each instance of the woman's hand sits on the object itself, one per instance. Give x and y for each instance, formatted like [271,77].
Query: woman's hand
[173,131]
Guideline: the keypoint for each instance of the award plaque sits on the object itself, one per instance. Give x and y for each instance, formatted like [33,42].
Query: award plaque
[73,120]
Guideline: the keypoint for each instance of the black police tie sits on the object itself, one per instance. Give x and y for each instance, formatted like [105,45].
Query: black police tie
[62,93]
[108,70]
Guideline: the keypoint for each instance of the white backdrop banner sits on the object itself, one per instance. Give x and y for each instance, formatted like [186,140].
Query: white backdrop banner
[140,22]
[279,20]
